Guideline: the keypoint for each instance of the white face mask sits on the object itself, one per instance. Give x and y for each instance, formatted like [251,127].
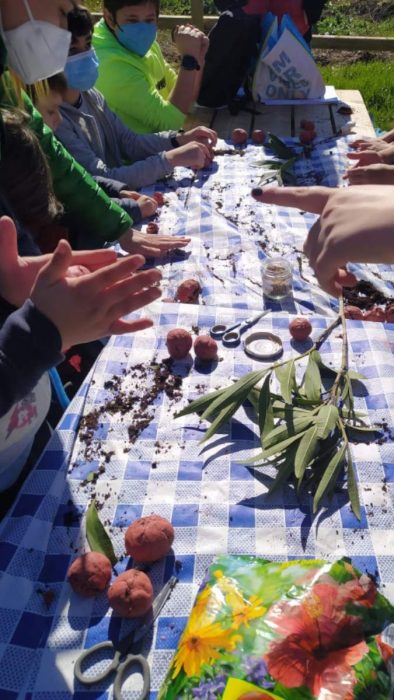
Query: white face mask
[36,50]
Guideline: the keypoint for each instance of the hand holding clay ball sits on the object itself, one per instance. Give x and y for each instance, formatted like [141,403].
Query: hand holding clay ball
[149,539]
[206,348]
[89,574]
[131,594]
[258,136]
[239,136]
[300,329]
[353,313]
[188,292]
[179,343]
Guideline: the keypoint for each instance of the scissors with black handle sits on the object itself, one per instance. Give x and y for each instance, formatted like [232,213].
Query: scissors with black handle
[229,335]
[123,659]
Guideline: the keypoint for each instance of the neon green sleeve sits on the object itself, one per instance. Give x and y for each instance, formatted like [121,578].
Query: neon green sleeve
[137,104]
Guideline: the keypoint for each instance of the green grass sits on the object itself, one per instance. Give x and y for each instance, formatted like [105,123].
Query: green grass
[375,80]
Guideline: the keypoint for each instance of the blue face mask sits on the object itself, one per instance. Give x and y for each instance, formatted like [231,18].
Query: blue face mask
[81,70]
[137,37]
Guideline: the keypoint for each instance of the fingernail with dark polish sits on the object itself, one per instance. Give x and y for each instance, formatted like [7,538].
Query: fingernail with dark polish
[257,192]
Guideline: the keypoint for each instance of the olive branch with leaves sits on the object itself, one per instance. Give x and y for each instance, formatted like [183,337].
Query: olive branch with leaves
[306,429]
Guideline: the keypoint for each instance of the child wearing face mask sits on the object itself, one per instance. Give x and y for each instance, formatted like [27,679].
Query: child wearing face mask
[34,45]
[99,140]
[138,84]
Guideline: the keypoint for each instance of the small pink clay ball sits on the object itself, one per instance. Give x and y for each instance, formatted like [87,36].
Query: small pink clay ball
[258,136]
[239,136]
[89,574]
[131,594]
[179,343]
[375,314]
[205,347]
[390,314]
[300,329]
[149,539]
[353,313]
[188,291]
[307,137]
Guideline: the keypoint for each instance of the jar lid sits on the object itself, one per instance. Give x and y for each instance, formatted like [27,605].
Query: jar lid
[276,267]
[263,345]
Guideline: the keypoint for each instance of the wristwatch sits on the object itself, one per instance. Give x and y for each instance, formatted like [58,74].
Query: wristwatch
[174,141]
[189,63]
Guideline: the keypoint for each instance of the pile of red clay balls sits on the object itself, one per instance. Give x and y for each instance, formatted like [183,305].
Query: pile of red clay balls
[147,540]
[179,343]
[374,314]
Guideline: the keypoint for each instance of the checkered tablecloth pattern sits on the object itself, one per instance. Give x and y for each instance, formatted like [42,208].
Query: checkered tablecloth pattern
[231,234]
[215,504]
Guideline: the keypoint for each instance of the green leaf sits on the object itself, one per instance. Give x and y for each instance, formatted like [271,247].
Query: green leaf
[352,486]
[200,404]
[241,388]
[355,376]
[280,446]
[97,535]
[225,414]
[326,420]
[305,451]
[265,411]
[360,430]
[279,148]
[286,377]
[284,471]
[312,380]
[329,476]
[284,430]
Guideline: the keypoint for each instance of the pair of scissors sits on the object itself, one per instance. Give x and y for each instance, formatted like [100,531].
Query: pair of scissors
[121,651]
[229,335]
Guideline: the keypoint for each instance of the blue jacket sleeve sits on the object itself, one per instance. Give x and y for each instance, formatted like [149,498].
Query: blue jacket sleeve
[30,344]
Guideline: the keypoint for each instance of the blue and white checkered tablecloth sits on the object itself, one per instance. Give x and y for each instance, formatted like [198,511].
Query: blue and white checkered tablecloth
[215,504]
[232,234]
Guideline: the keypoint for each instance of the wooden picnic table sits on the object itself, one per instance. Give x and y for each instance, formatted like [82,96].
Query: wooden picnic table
[284,120]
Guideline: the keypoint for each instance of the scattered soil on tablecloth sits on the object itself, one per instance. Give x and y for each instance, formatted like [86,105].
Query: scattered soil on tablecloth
[365,296]
[138,404]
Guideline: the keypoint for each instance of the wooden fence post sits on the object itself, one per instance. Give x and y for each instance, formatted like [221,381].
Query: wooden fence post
[198,13]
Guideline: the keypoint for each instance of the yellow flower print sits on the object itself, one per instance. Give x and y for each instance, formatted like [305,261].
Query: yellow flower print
[247,610]
[200,645]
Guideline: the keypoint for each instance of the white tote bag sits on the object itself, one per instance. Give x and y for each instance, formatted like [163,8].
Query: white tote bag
[285,69]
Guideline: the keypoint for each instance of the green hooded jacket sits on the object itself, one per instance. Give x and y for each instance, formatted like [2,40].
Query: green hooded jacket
[137,88]
[81,197]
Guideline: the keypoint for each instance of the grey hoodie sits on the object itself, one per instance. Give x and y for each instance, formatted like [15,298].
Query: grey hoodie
[100,142]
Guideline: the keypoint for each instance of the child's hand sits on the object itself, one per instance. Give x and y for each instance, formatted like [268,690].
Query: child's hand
[366,157]
[188,40]
[191,155]
[201,134]
[147,205]
[368,145]
[137,242]
[92,306]
[17,274]
[355,225]
[376,174]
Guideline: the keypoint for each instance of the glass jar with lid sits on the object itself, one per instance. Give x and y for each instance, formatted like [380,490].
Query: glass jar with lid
[277,278]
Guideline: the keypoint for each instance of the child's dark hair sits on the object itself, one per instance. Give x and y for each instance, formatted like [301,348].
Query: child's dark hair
[56,83]
[114,5]
[25,177]
[80,21]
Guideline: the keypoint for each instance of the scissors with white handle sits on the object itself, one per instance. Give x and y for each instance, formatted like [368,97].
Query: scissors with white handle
[229,335]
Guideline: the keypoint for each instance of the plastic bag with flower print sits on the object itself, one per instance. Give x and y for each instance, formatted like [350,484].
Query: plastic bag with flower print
[299,630]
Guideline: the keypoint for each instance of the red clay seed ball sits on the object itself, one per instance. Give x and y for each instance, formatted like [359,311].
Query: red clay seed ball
[131,594]
[375,314]
[390,314]
[258,136]
[89,574]
[159,198]
[152,228]
[188,292]
[300,329]
[239,136]
[205,348]
[307,137]
[307,125]
[353,313]
[149,539]
[179,343]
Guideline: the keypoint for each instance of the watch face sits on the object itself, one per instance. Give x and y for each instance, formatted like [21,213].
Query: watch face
[190,63]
